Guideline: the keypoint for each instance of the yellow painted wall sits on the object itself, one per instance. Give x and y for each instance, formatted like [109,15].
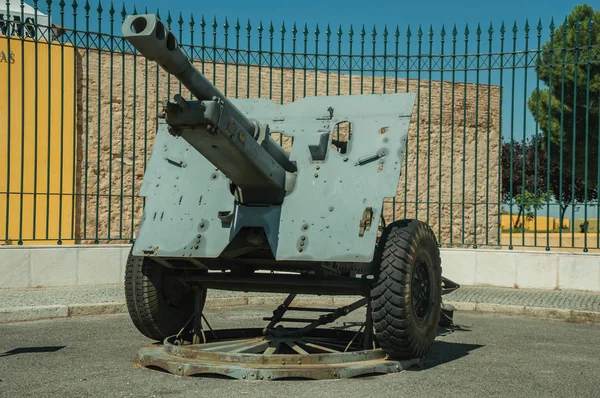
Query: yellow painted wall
[535,224]
[56,141]
[592,224]
[541,224]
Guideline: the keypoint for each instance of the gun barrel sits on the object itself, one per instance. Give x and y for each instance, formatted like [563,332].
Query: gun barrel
[239,147]
[156,43]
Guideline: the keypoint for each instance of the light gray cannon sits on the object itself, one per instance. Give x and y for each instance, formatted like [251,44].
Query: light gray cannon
[228,208]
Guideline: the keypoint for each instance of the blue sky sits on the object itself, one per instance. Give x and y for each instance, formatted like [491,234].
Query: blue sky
[378,13]
[403,13]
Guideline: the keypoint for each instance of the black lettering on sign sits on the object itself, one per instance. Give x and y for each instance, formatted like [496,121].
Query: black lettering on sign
[16,27]
[29,27]
[3,25]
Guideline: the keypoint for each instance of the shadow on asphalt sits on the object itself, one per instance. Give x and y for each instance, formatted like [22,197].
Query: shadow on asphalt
[446,330]
[32,350]
[443,352]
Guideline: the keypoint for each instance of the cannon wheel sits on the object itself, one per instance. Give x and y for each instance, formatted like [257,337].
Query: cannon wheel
[406,297]
[158,305]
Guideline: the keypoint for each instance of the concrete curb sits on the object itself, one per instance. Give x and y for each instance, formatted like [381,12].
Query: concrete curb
[96,309]
[22,314]
[576,316]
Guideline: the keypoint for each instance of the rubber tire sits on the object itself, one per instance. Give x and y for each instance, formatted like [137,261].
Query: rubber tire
[145,297]
[395,327]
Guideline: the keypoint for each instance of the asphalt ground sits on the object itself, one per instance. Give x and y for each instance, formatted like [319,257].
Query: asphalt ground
[486,355]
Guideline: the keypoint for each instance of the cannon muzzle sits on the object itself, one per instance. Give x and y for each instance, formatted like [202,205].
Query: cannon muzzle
[156,43]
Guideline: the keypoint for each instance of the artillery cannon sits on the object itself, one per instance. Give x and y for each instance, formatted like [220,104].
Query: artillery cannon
[228,208]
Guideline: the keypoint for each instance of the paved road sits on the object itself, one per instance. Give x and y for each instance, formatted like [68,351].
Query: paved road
[491,356]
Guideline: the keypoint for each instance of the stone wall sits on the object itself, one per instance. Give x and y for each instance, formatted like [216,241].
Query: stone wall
[117,120]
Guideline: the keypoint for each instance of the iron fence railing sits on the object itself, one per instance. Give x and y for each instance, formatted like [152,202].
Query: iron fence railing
[503,147]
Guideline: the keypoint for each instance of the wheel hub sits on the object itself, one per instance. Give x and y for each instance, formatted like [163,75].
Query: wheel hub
[421,290]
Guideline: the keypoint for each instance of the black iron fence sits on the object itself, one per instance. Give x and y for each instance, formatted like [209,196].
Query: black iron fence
[503,146]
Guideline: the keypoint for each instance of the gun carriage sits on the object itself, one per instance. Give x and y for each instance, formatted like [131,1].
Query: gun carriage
[228,208]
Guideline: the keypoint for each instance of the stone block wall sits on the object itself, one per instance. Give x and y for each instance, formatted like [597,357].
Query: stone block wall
[451,177]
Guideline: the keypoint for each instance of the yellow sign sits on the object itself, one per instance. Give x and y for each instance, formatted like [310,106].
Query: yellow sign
[37,141]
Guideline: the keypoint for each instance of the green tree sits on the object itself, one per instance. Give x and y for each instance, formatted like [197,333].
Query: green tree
[567,111]
[527,204]
[529,184]
[524,182]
